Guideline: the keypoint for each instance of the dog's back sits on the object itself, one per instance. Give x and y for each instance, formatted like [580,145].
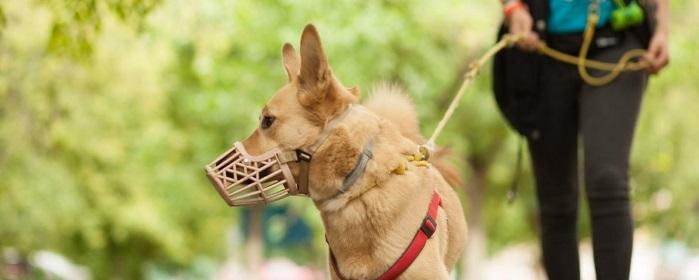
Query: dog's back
[392,103]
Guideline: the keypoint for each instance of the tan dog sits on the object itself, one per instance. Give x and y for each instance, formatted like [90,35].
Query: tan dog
[369,225]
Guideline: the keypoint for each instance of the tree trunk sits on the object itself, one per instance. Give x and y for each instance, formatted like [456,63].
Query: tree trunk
[472,260]
[255,247]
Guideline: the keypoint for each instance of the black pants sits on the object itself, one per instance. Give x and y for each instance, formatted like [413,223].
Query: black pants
[603,119]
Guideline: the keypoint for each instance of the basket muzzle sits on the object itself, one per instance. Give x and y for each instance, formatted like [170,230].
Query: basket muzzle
[245,180]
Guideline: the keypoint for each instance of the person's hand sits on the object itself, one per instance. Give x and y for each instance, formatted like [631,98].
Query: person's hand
[658,54]
[520,22]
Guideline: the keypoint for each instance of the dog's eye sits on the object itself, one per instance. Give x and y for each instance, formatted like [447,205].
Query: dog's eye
[267,121]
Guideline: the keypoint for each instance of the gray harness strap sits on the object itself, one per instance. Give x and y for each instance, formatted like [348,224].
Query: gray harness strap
[304,157]
[359,167]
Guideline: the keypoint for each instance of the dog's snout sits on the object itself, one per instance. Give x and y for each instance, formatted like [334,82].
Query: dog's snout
[264,173]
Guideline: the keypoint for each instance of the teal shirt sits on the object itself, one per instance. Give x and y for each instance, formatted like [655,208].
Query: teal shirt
[570,16]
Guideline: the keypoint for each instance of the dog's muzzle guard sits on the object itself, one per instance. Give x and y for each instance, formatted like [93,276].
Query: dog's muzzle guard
[245,180]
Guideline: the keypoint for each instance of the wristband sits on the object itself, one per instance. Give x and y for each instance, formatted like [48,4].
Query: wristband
[513,6]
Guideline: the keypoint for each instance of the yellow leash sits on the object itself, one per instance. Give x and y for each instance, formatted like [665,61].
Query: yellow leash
[582,62]
[624,63]
[421,156]
[473,71]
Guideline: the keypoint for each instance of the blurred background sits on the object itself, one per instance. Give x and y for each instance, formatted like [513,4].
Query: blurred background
[110,109]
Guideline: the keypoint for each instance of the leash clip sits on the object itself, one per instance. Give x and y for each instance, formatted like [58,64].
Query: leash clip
[593,9]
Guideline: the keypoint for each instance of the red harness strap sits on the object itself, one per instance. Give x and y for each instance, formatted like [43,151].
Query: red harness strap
[428,227]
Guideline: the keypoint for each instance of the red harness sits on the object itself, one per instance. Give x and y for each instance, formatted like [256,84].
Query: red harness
[428,227]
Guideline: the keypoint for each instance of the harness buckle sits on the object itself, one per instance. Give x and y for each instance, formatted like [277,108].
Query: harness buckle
[429,226]
[304,156]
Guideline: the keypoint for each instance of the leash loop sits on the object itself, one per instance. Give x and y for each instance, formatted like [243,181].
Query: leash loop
[581,61]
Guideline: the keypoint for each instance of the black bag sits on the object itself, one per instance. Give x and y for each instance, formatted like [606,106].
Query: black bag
[516,73]
[516,77]
[516,87]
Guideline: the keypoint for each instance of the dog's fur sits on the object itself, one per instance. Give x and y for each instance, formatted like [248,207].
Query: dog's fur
[370,225]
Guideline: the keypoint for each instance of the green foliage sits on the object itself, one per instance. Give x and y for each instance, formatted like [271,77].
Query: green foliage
[110,109]
[78,23]
[665,156]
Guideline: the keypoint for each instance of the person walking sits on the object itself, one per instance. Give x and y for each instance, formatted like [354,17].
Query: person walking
[556,110]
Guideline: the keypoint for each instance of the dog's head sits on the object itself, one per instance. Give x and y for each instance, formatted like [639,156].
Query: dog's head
[263,167]
[298,111]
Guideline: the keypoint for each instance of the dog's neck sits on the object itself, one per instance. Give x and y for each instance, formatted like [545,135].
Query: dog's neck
[361,131]
[353,219]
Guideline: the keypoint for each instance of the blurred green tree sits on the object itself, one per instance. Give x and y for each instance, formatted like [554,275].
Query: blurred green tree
[109,110]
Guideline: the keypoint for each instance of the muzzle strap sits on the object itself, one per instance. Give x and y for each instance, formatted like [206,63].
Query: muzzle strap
[286,157]
[304,156]
[304,160]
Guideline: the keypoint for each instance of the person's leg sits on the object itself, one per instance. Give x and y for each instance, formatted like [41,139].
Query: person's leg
[554,158]
[607,118]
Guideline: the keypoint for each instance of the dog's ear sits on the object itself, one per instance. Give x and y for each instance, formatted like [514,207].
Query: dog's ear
[291,61]
[318,89]
[315,76]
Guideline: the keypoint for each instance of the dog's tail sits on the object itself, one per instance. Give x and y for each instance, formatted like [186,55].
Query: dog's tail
[392,103]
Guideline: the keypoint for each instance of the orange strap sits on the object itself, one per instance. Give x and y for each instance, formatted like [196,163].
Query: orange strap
[513,6]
